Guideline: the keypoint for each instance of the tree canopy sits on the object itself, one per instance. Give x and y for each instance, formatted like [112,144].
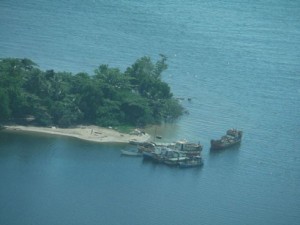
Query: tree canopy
[109,97]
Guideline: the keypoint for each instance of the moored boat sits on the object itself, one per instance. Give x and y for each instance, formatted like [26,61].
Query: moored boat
[173,157]
[191,162]
[134,142]
[165,155]
[187,148]
[131,153]
[146,146]
[231,138]
[154,154]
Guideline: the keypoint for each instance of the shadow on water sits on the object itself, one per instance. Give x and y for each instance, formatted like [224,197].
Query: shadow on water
[156,164]
[215,152]
[224,157]
[150,161]
[130,156]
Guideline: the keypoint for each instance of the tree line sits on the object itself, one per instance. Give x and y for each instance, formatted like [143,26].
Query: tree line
[109,97]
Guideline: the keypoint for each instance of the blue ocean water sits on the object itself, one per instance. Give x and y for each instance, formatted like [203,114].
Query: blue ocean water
[239,63]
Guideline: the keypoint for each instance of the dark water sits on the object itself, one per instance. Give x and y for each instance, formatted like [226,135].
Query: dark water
[237,60]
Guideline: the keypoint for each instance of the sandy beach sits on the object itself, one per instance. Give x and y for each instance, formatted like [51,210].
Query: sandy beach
[89,133]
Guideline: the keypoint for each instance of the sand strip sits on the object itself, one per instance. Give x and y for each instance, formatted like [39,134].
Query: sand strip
[89,133]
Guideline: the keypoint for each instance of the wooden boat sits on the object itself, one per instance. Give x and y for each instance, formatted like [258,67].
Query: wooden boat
[146,146]
[131,153]
[231,138]
[154,154]
[174,161]
[187,148]
[191,162]
[134,142]
[163,154]
[173,157]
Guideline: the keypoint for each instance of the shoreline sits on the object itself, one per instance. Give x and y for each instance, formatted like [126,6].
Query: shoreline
[87,133]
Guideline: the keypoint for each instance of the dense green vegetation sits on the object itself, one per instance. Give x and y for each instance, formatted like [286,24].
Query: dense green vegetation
[108,97]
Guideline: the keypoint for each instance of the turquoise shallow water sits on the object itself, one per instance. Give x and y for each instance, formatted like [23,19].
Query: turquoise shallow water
[237,60]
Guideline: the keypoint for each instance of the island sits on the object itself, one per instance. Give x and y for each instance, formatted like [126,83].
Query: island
[86,105]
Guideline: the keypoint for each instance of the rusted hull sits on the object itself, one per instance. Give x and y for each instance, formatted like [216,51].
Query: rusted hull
[214,145]
[232,137]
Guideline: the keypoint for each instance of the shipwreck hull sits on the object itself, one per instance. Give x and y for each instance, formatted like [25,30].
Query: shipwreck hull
[216,145]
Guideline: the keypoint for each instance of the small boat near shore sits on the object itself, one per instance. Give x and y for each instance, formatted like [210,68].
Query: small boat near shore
[134,142]
[131,153]
[231,138]
[146,146]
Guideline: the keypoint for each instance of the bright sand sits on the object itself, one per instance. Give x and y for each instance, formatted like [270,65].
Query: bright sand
[89,133]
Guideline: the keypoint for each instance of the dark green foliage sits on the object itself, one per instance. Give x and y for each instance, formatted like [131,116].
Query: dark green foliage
[136,110]
[108,98]
[4,105]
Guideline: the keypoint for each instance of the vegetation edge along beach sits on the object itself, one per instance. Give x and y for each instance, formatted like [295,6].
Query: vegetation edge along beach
[84,105]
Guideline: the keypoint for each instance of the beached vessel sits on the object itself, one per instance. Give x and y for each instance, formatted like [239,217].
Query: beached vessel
[231,138]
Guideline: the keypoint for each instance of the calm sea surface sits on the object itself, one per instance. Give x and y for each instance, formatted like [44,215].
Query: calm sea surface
[238,60]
